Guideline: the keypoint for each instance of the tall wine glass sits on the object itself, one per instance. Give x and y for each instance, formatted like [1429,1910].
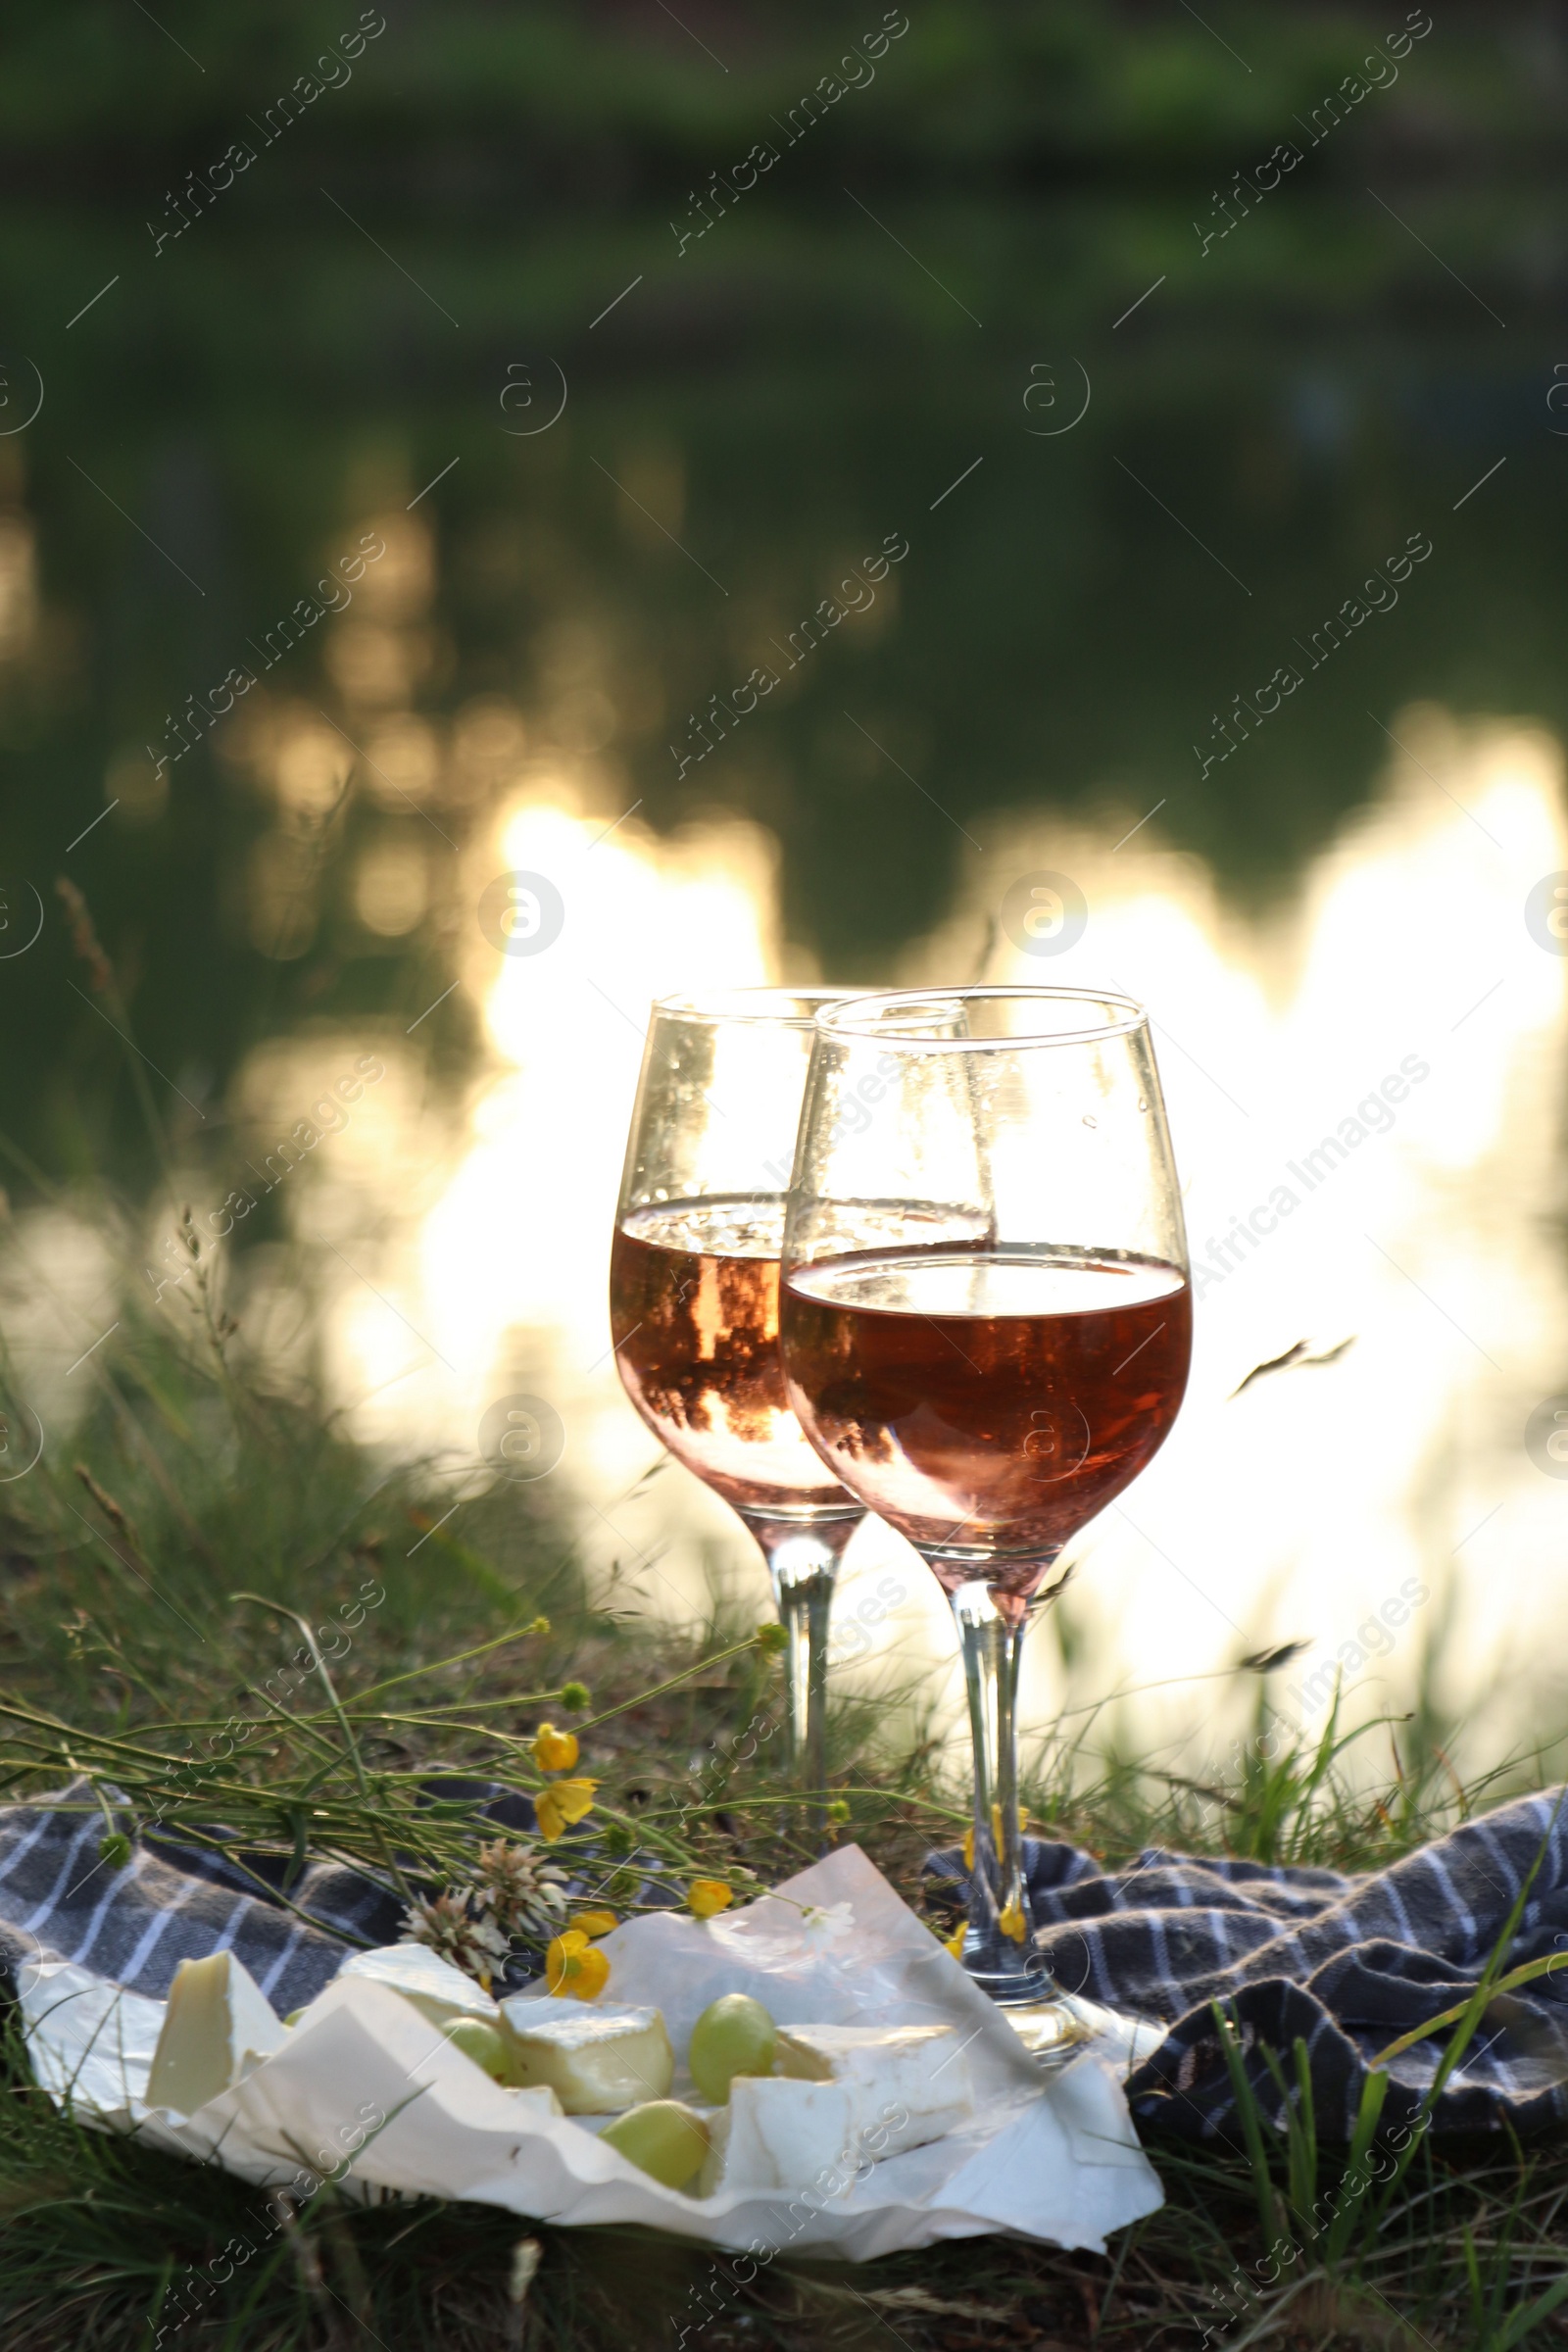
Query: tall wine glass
[985,1322]
[693,1303]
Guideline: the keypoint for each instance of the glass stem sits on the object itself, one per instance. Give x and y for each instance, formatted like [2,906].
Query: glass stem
[991,1644]
[803,1563]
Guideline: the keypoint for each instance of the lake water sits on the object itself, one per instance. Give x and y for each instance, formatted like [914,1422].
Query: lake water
[1012,644]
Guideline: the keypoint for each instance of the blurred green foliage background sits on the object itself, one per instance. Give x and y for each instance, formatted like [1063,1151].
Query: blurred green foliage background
[223,412]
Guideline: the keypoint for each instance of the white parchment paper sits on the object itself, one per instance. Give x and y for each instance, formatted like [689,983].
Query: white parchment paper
[364,2080]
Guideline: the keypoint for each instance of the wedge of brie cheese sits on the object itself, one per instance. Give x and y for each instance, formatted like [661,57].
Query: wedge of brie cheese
[437,1989]
[776,2133]
[219,2023]
[906,2084]
[598,2059]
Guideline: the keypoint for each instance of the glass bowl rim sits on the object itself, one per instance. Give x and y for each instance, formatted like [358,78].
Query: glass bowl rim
[837,1020]
[716,1006]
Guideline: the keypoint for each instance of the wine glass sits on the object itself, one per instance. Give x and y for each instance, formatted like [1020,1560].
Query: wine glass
[693,1303]
[986,1323]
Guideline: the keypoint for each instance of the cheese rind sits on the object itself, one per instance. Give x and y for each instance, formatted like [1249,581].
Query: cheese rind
[906,2084]
[598,2059]
[217,2026]
[437,1989]
[776,2133]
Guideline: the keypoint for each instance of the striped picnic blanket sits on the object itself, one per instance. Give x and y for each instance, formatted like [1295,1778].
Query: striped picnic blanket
[134,1923]
[1346,1964]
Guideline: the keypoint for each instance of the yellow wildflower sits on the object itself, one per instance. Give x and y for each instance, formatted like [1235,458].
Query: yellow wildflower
[1011,1921]
[968,1849]
[575,1966]
[560,1802]
[553,1750]
[704,1896]
[953,1943]
[595,1923]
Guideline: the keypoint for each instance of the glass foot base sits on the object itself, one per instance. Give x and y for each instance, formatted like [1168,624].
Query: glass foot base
[1051,2030]
[1053,2025]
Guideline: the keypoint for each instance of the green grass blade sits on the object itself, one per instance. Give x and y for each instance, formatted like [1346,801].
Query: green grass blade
[1249,2118]
[1521,2322]
[1352,2184]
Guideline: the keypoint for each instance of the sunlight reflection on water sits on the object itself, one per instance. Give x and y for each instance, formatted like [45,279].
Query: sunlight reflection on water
[1427,1228]
[1397,1004]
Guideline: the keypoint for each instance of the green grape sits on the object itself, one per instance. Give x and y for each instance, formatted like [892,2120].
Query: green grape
[733,2036]
[662,2138]
[482,2043]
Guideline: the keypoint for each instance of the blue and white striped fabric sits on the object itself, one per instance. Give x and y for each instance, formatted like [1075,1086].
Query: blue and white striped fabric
[133,1923]
[1347,1965]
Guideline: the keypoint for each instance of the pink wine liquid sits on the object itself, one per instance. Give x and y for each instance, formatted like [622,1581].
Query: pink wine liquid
[694,1312]
[987,1402]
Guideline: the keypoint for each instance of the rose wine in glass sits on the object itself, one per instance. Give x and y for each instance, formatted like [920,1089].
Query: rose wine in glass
[986,1323]
[694,1304]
